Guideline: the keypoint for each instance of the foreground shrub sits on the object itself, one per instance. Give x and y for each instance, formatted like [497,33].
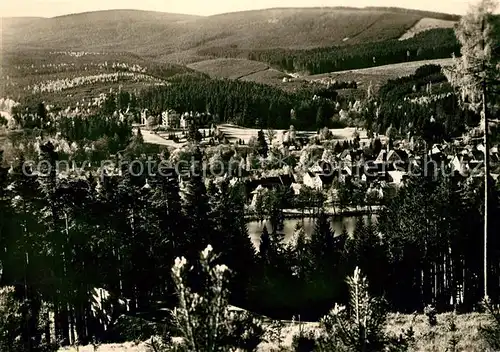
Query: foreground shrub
[304,342]
[431,313]
[491,333]
[203,318]
[130,328]
[453,330]
[362,325]
[10,320]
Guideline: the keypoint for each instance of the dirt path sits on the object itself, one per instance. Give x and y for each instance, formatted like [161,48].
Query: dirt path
[254,72]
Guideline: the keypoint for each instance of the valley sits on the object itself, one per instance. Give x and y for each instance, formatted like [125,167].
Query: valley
[308,179]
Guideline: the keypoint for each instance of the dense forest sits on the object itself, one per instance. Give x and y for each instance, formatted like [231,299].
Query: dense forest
[432,44]
[65,235]
[243,103]
[423,104]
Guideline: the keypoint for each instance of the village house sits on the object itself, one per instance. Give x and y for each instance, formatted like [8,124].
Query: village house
[371,172]
[375,191]
[459,164]
[393,157]
[253,187]
[296,187]
[318,181]
[397,177]
[349,157]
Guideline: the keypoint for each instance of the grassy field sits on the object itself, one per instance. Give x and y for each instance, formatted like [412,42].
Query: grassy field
[159,35]
[234,133]
[378,75]
[428,339]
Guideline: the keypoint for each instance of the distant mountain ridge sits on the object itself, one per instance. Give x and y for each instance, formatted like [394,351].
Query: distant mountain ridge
[165,35]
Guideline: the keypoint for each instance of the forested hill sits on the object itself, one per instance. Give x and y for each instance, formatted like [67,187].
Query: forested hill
[162,34]
[432,44]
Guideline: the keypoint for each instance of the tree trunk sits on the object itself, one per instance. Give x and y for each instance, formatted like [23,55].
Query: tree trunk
[486,164]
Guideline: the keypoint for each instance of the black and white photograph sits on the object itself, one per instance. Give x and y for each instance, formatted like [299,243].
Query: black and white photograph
[249,176]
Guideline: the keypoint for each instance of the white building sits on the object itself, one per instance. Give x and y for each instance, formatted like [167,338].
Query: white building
[170,118]
[184,120]
[312,180]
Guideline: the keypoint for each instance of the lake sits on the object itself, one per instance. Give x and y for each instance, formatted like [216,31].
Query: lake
[337,223]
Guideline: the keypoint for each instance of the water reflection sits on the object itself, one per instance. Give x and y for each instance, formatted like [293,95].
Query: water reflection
[337,224]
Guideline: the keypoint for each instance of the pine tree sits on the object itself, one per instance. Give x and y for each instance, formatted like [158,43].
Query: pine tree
[325,255]
[322,238]
[42,115]
[274,202]
[262,147]
[196,208]
[364,248]
[194,134]
[300,257]
[476,76]
[243,257]
[56,226]
[377,147]
[265,245]
[491,332]
[361,325]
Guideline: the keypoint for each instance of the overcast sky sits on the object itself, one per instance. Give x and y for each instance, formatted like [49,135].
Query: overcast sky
[50,8]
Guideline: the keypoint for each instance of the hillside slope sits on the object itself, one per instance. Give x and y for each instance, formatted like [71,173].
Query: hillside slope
[377,75]
[161,34]
[67,78]
[113,30]
[426,24]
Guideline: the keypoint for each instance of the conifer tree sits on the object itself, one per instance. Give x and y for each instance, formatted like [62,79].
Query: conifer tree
[361,325]
[55,225]
[231,234]
[196,209]
[476,75]
[299,253]
[262,147]
[274,202]
[364,248]
[265,245]
[326,259]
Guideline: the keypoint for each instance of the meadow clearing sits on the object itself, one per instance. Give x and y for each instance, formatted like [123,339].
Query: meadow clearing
[427,339]
[380,74]
[234,133]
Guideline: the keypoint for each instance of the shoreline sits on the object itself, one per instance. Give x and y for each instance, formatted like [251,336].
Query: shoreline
[297,214]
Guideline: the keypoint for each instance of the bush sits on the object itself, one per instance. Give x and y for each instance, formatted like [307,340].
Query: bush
[361,327]
[14,337]
[304,342]
[454,339]
[247,332]
[431,314]
[129,328]
[10,320]
[491,333]
[203,318]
